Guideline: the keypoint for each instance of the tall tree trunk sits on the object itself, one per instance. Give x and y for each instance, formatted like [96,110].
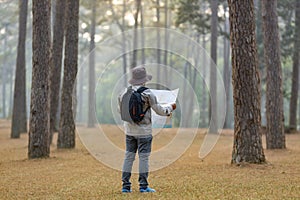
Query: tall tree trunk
[142,35]
[274,98]
[19,119]
[247,145]
[166,34]
[55,72]
[226,74]
[295,76]
[74,99]
[124,46]
[4,74]
[261,64]
[186,104]
[193,79]
[3,79]
[122,28]
[204,112]
[80,95]
[92,84]
[39,125]
[158,43]
[135,34]
[299,101]
[166,42]
[11,93]
[53,13]
[213,73]
[66,134]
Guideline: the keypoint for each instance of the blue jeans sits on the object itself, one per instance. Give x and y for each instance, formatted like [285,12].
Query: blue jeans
[142,144]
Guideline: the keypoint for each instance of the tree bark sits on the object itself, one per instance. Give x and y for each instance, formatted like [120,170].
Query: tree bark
[204,111]
[55,72]
[124,46]
[142,35]
[122,28]
[80,95]
[226,73]
[295,75]
[4,73]
[66,134]
[135,34]
[11,93]
[158,43]
[193,79]
[261,64]
[166,41]
[39,126]
[92,84]
[274,97]
[186,104]
[247,145]
[166,34]
[19,119]
[213,73]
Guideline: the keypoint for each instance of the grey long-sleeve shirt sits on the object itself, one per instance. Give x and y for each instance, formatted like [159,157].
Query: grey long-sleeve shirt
[145,126]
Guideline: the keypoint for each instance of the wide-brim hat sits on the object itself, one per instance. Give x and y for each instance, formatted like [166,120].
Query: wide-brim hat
[139,76]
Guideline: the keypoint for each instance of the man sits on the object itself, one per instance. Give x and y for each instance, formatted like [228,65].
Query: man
[139,136]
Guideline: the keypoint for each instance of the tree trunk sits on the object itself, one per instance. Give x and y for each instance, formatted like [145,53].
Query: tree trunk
[295,76]
[142,35]
[274,98]
[19,119]
[135,34]
[261,64]
[55,72]
[4,74]
[66,134]
[186,104]
[92,84]
[122,28]
[204,115]
[53,14]
[193,79]
[39,125]
[3,79]
[299,101]
[124,46]
[11,93]
[158,43]
[166,34]
[247,145]
[226,73]
[166,42]
[80,95]
[213,73]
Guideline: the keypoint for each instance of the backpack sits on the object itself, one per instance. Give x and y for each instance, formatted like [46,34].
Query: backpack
[132,105]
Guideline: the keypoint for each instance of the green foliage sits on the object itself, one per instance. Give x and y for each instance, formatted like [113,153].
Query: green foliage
[286,13]
[190,11]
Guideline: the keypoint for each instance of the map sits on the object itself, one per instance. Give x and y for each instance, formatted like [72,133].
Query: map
[163,97]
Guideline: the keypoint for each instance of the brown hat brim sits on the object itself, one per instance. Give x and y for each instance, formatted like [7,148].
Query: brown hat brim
[140,81]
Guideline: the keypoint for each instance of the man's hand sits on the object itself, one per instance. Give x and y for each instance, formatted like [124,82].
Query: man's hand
[173,106]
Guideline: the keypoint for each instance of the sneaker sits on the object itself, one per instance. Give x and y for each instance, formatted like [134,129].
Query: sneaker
[147,190]
[124,190]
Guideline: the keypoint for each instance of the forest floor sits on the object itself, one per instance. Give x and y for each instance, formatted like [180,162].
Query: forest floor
[75,174]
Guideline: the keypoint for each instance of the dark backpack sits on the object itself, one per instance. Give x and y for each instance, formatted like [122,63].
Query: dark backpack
[132,105]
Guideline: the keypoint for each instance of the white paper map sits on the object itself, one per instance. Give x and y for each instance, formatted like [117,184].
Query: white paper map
[163,97]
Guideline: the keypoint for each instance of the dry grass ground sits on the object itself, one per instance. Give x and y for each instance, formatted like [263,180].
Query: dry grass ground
[75,174]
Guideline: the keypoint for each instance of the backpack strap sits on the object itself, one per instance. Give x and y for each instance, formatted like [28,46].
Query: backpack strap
[141,90]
